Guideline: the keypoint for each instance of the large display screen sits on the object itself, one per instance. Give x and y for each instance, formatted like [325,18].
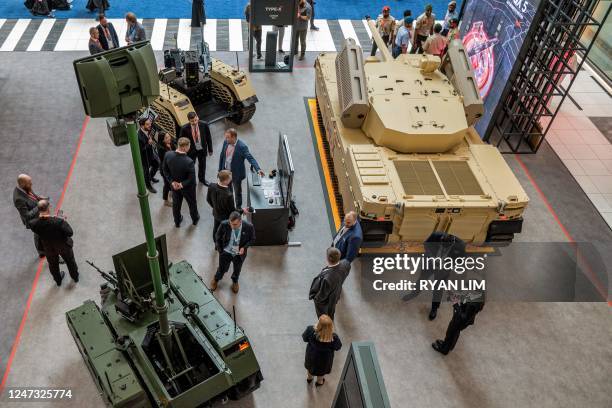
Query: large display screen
[286,170]
[493,32]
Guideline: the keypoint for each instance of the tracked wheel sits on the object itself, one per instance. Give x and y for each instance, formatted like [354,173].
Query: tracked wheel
[330,163]
[165,121]
[243,115]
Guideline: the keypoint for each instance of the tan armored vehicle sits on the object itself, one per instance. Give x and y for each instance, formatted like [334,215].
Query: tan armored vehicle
[222,92]
[404,152]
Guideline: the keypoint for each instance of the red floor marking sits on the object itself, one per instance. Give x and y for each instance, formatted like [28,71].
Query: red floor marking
[24,318]
[72,164]
[543,197]
[594,279]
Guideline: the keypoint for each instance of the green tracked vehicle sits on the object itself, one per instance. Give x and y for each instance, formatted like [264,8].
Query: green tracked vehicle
[211,359]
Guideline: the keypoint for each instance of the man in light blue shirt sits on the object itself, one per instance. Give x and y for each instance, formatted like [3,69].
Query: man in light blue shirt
[135,31]
[233,246]
[451,13]
[403,38]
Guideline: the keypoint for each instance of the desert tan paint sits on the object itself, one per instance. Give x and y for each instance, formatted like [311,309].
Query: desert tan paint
[371,162]
[172,105]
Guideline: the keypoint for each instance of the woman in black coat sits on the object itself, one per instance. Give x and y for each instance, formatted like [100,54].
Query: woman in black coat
[322,343]
[165,144]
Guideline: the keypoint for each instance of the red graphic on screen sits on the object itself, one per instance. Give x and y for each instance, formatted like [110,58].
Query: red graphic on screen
[480,51]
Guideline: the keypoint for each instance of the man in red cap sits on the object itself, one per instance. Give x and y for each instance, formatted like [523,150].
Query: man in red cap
[385,23]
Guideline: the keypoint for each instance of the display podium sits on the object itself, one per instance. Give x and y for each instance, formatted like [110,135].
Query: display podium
[269,199]
[269,216]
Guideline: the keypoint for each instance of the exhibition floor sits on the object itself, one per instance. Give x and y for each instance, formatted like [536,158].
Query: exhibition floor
[581,136]
[517,354]
[221,34]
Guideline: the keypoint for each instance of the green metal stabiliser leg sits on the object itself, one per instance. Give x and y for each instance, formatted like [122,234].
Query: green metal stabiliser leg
[160,302]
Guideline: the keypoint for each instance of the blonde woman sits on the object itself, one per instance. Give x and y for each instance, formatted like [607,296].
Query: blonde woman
[322,343]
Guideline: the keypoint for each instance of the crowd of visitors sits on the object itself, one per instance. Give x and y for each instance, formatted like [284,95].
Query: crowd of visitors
[423,35]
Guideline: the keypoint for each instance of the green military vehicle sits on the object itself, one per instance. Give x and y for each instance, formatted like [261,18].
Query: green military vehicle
[210,358]
[405,155]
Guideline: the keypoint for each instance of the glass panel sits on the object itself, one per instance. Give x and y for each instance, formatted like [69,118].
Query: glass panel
[600,53]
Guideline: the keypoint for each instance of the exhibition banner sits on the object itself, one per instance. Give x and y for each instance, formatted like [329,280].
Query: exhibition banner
[493,33]
[274,12]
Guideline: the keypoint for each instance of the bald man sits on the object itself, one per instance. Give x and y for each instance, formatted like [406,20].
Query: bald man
[349,238]
[26,201]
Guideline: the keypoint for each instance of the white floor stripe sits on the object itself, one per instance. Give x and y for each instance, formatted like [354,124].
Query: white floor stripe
[184,33]
[75,35]
[367,27]
[74,31]
[235,35]
[41,35]
[158,34]
[348,30]
[321,40]
[13,38]
[210,33]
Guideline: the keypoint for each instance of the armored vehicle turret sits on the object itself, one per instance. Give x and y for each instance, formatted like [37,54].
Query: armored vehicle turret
[405,155]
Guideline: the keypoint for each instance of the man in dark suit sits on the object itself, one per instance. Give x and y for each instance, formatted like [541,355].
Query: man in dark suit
[56,236]
[108,36]
[465,308]
[326,287]
[349,238]
[150,164]
[233,155]
[199,136]
[220,197]
[26,201]
[437,245]
[179,171]
[233,238]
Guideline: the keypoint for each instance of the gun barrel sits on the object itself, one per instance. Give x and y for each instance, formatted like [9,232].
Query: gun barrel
[107,277]
[384,50]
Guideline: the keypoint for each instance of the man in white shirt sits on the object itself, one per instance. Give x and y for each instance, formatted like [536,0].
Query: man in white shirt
[423,29]
[436,43]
